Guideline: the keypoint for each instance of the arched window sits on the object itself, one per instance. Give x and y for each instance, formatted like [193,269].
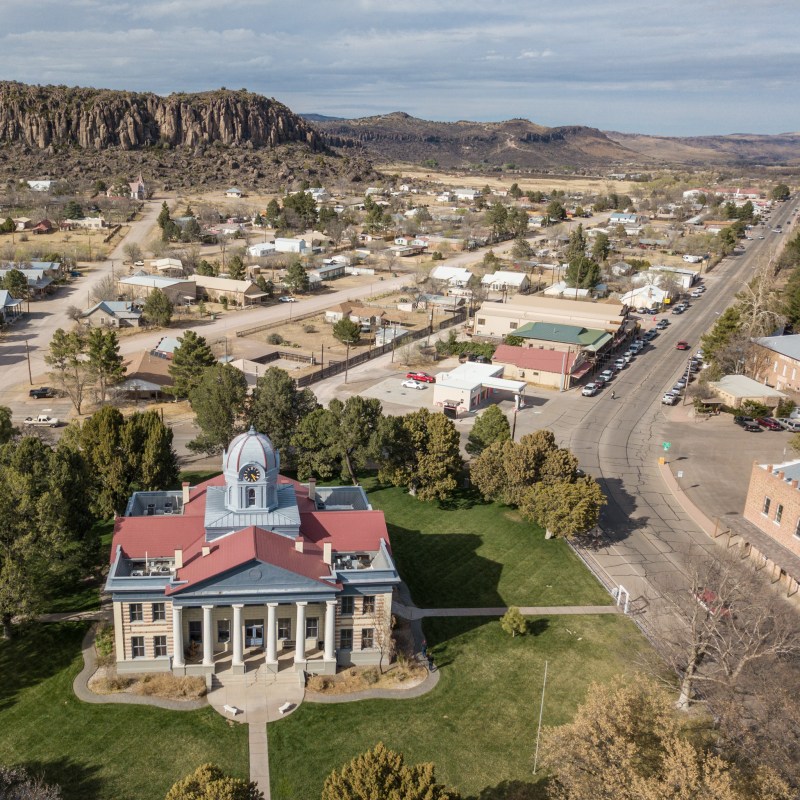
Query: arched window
[251,497]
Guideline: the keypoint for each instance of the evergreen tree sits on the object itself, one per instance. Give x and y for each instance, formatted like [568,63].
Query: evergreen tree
[105,361]
[101,442]
[277,407]
[189,361]
[582,273]
[490,427]
[163,216]
[218,402]
[16,284]
[236,268]
[497,219]
[601,247]
[296,278]
[158,308]
[512,622]
[146,446]
[7,430]
[347,331]
[564,508]
[381,774]
[273,212]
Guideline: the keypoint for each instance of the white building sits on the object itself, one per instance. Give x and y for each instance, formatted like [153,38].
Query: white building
[505,280]
[464,388]
[290,245]
[453,276]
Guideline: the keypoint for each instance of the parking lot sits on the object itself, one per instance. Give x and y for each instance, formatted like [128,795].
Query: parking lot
[390,391]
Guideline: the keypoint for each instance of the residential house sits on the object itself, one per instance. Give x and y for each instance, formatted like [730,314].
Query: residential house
[44,226]
[22,223]
[10,307]
[507,281]
[363,315]
[555,369]
[627,219]
[146,377]
[39,282]
[242,293]
[660,275]
[467,194]
[775,361]
[234,192]
[328,271]
[261,249]
[166,347]
[172,267]
[250,571]
[178,290]
[452,276]
[113,314]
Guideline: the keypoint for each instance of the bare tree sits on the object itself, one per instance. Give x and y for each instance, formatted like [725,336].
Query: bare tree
[383,634]
[105,289]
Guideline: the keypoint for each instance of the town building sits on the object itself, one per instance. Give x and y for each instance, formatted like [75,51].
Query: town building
[470,385]
[39,282]
[179,291]
[242,293]
[773,503]
[506,281]
[146,377]
[113,314]
[775,361]
[734,390]
[283,245]
[250,570]
[10,307]
[138,191]
[555,369]
[451,276]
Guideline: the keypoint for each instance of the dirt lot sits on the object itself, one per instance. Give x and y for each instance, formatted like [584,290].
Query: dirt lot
[78,244]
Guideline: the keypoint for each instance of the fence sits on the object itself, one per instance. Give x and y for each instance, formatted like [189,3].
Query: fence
[338,367]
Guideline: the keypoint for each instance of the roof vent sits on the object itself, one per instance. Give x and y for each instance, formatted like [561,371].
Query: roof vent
[298,545]
[205,551]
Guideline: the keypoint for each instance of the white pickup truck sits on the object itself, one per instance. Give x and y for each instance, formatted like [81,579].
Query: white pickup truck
[44,420]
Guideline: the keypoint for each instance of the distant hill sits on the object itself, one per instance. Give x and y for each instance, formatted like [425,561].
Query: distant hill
[401,137]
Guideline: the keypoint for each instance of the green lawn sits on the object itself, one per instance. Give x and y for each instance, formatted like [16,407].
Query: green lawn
[479,725]
[473,554]
[99,751]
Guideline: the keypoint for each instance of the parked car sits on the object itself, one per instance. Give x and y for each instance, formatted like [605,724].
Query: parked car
[41,393]
[628,355]
[591,389]
[711,603]
[662,324]
[606,375]
[681,345]
[421,376]
[741,420]
[769,423]
[680,384]
[43,420]
[285,298]
[753,427]
[695,294]
[670,399]
[650,335]
[677,310]
[412,384]
[620,363]
[789,424]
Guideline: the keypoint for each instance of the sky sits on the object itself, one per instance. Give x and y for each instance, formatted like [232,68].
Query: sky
[676,68]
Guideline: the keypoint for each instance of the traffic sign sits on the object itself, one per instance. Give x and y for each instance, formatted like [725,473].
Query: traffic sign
[667,445]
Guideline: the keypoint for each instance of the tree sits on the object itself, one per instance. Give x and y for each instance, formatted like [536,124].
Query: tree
[133,252]
[158,308]
[204,268]
[496,219]
[780,192]
[338,439]
[513,623]
[382,774]
[104,289]
[627,743]
[69,367]
[517,222]
[7,226]
[564,508]
[277,407]
[209,782]
[189,361]
[300,210]
[45,527]
[146,445]
[236,268]
[100,440]
[16,284]
[7,430]
[555,211]
[601,247]
[521,249]
[218,401]
[105,361]
[347,331]
[273,211]
[582,273]
[73,210]
[421,452]
[17,784]
[164,216]
[296,278]
[515,191]
[490,427]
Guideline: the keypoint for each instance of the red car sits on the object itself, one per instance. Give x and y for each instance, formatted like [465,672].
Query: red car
[682,345]
[420,376]
[769,423]
[710,602]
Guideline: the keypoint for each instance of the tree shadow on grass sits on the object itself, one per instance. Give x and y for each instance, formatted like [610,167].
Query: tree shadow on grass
[464,499]
[35,652]
[77,781]
[513,790]
[442,635]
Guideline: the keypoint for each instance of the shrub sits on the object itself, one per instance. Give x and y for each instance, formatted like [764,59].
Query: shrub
[785,407]
[319,683]
[371,675]
[104,641]
[309,329]
[275,338]
[752,408]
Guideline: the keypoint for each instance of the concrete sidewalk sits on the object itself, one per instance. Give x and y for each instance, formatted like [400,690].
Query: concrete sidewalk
[414,613]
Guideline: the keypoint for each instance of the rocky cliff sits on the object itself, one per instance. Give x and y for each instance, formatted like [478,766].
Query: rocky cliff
[51,117]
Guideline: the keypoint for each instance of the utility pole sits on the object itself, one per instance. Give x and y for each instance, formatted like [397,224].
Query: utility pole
[347,362]
[28,356]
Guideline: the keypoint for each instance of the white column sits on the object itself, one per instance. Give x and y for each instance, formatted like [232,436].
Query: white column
[272,634]
[208,639]
[300,632]
[177,637]
[238,652]
[330,630]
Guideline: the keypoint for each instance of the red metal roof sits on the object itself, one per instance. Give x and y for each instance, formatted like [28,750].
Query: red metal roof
[345,530]
[154,536]
[249,544]
[533,358]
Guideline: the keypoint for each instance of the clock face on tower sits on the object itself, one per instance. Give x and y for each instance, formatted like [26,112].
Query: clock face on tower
[251,474]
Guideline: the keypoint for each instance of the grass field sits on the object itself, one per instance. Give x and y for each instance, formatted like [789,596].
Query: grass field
[478,726]
[480,554]
[99,751]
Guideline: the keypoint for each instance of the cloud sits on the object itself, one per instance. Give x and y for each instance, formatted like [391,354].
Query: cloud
[710,64]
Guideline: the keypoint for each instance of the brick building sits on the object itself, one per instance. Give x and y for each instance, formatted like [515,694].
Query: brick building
[775,361]
[773,502]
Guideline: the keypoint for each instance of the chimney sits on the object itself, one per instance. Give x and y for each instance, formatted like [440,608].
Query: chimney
[793,484]
[781,475]
[327,553]
[179,559]
[206,550]
[312,489]
[185,487]
[298,544]
[769,467]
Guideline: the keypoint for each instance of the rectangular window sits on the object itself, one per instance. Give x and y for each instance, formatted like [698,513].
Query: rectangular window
[367,637]
[778,514]
[765,507]
[512,325]
[481,321]
[348,605]
[312,627]
[159,646]
[284,628]
[136,612]
[137,646]
[159,612]
[195,631]
[368,606]
[346,639]
[223,630]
